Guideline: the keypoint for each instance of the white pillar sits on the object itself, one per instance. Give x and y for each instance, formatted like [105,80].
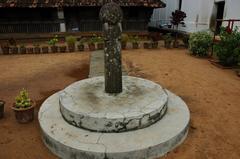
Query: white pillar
[61,18]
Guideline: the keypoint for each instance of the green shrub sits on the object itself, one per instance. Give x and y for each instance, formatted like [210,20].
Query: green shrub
[71,40]
[228,48]
[53,41]
[22,100]
[124,38]
[199,43]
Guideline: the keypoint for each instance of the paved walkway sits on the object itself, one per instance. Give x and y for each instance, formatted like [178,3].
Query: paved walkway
[97,64]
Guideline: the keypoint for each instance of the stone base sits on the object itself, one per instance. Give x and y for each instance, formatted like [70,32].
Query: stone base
[70,142]
[85,104]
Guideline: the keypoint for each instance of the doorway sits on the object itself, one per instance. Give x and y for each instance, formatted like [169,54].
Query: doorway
[220,11]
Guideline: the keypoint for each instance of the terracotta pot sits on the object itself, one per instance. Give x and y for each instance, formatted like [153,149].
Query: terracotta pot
[24,115]
[135,45]
[37,50]
[54,49]
[30,50]
[23,50]
[124,45]
[100,46]
[146,45]
[2,103]
[167,44]
[71,47]
[45,49]
[80,47]
[62,49]
[14,50]
[91,47]
[154,45]
[5,50]
[175,44]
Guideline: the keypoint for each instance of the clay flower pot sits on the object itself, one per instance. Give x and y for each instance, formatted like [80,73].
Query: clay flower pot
[91,46]
[24,115]
[30,50]
[146,45]
[71,47]
[23,50]
[14,50]
[5,50]
[37,50]
[80,47]
[154,45]
[124,45]
[54,49]
[2,103]
[100,46]
[167,44]
[135,45]
[45,49]
[63,48]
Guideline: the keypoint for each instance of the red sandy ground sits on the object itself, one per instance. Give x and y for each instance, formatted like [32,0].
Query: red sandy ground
[212,94]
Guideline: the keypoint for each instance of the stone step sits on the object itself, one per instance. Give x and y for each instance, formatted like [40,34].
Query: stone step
[70,142]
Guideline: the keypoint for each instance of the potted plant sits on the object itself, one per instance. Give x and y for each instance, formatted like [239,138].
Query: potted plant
[124,40]
[52,42]
[37,49]
[80,45]
[14,49]
[5,49]
[135,42]
[71,40]
[100,43]
[45,49]
[154,44]
[23,49]
[199,43]
[91,44]
[62,48]
[146,45]
[177,18]
[23,107]
[2,103]
[30,50]
[168,40]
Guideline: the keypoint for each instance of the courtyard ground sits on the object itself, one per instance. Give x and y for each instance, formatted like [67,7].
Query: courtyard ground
[212,94]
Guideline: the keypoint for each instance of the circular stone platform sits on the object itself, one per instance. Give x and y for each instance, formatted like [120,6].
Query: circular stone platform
[85,104]
[68,142]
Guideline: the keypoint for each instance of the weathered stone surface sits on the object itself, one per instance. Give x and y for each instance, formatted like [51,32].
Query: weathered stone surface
[84,104]
[111,16]
[69,142]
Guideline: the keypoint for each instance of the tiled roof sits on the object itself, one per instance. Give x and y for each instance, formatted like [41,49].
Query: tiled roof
[71,3]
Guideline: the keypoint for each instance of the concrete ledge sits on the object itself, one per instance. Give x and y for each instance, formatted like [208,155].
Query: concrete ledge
[69,142]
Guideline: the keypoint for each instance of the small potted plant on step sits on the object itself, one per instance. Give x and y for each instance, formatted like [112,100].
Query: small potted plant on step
[52,42]
[5,48]
[30,50]
[168,40]
[62,48]
[23,107]
[71,40]
[44,49]
[14,49]
[91,44]
[23,49]
[37,49]
[135,42]
[154,44]
[146,45]
[124,40]
[80,45]
[2,103]
[100,43]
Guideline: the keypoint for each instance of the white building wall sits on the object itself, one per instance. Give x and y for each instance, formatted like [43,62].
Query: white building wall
[199,13]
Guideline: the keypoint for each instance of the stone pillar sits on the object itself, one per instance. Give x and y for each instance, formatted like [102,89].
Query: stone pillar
[111,15]
[61,18]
